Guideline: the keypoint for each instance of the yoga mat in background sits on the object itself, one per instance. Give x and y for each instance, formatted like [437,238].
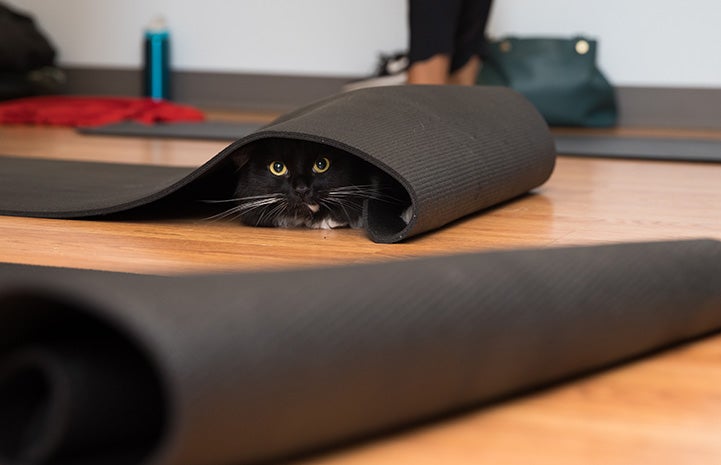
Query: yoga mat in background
[211,130]
[639,147]
[451,150]
[655,148]
[109,368]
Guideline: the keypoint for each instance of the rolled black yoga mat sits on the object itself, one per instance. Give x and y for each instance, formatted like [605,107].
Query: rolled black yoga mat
[110,368]
[454,150]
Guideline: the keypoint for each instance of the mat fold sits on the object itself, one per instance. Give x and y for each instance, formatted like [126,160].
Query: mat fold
[249,367]
[454,150]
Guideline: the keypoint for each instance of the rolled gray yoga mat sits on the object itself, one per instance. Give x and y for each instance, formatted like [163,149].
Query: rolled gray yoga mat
[250,367]
[453,151]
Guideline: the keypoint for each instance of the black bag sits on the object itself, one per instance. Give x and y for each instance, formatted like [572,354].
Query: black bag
[26,57]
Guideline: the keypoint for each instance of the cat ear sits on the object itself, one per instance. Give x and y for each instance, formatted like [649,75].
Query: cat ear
[240,158]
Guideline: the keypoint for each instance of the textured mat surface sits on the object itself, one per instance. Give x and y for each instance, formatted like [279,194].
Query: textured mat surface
[211,130]
[454,150]
[640,147]
[109,368]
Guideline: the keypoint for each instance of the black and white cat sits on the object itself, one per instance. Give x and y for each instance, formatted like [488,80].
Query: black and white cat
[291,183]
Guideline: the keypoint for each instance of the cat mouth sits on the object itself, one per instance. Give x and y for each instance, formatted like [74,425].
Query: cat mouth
[313,207]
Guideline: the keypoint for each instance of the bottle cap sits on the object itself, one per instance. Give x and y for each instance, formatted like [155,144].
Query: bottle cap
[158,24]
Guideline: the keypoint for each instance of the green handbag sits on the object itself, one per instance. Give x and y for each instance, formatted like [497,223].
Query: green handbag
[559,76]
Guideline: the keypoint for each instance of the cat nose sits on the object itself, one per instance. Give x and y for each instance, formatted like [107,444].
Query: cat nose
[302,190]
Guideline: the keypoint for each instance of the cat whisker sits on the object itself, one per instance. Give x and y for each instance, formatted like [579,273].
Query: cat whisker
[277,211]
[234,212]
[353,191]
[272,213]
[244,208]
[243,199]
[329,202]
[261,217]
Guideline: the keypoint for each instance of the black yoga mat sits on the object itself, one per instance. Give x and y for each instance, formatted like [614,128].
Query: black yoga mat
[110,368]
[454,151]
[210,130]
[654,148]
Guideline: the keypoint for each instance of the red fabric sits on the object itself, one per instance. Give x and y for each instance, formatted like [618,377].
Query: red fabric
[93,111]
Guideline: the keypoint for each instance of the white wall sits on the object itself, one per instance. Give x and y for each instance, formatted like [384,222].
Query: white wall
[663,43]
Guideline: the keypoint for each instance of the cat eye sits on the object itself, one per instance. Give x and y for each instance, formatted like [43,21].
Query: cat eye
[321,165]
[278,168]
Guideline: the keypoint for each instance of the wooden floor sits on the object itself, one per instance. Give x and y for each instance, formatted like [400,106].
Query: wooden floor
[664,410]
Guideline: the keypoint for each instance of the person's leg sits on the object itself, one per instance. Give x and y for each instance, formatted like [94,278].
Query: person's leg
[469,41]
[466,75]
[431,39]
[434,70]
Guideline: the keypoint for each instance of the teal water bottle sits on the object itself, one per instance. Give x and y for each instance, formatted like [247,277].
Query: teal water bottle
[156,71]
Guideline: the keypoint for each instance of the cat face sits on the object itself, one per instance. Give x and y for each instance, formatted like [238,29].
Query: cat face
[290,183]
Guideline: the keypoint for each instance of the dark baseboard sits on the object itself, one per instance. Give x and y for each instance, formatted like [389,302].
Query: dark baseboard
[638,106]
[103,81]
[670,107]
[212,90]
